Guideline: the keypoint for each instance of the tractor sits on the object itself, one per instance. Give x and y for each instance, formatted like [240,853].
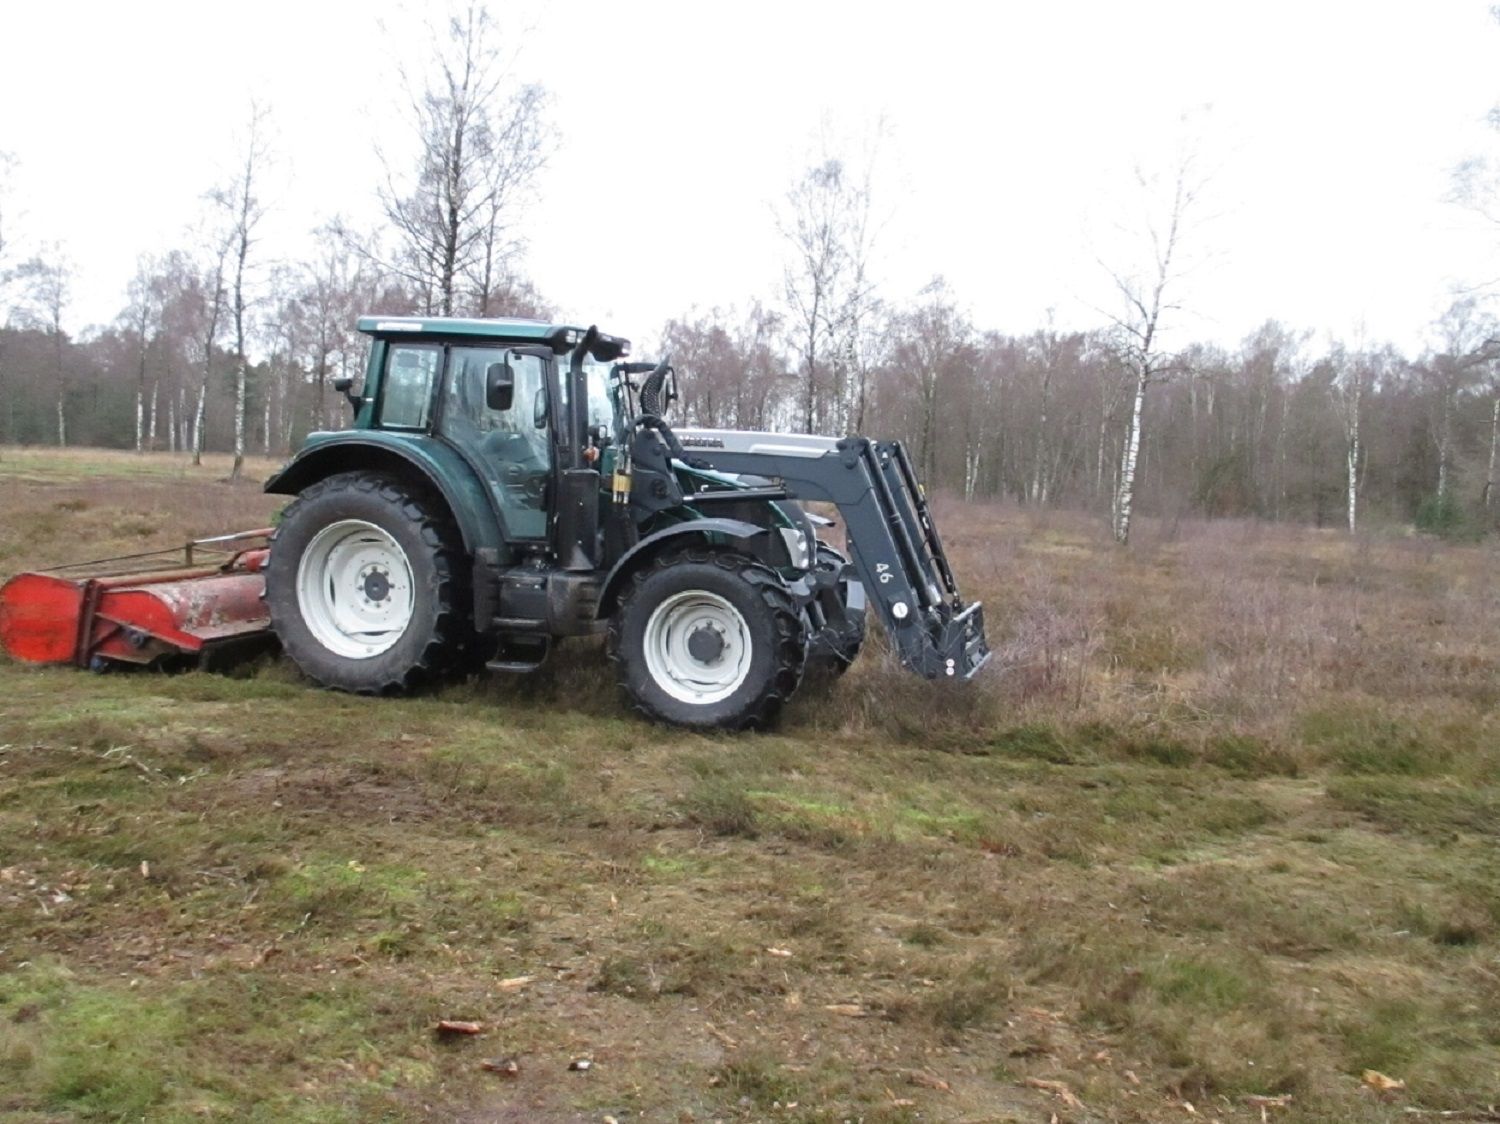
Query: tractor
[509,483]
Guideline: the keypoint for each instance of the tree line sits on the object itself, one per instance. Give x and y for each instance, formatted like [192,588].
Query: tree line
[216,347]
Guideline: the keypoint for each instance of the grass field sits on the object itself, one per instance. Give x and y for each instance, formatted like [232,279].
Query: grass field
[1214,836]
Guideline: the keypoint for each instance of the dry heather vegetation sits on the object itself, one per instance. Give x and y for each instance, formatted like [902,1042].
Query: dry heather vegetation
[1218,829]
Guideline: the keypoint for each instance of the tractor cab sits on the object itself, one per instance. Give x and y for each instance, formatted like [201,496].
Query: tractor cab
[496,393]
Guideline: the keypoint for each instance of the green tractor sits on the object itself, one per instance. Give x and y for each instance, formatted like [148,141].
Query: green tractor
[508,483]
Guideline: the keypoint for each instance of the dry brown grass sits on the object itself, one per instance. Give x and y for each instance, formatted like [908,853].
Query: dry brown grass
[1220,823]
[1212,629]
[66,505]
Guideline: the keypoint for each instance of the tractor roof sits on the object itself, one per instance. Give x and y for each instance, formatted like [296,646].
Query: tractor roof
[560,336]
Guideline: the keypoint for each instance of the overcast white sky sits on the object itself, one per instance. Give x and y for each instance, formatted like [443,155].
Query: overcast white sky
[1012,130]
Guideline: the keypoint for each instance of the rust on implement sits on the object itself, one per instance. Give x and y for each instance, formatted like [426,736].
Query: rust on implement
[92,614]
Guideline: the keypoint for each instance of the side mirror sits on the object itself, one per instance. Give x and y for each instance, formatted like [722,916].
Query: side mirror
[499,386]
[345,386]
[539,409]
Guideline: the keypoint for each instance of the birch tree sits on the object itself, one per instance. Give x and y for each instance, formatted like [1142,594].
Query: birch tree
[1349,386]
[937,352]
[729,370]
[210,316]
[980,410]
[175,289]
[811,224]
[324,308]
[832,313]
[54,293]
[1468,334]
[482,138]
[516,145]
[48,278]
[141,314]
[1148,295]
[242,205]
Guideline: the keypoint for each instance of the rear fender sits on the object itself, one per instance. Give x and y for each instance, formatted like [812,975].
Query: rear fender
[677,534]
[410,457]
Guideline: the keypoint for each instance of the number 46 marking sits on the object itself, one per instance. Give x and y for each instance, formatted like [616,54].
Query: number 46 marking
[883,572]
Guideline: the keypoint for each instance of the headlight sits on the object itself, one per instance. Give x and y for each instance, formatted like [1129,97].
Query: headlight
[796,547]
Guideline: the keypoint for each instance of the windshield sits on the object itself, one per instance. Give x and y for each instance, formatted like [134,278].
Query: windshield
[601,403]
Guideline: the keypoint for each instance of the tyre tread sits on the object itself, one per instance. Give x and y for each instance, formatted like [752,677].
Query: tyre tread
[789,654]
[447,647]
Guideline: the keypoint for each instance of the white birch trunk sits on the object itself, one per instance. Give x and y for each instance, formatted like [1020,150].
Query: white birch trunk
[1489,476]
[1125,492]
[198,418]
[240,373]
[1353,459]
[151,417]
[1445,445]
[971,469]
[1039,460]
[1353,481]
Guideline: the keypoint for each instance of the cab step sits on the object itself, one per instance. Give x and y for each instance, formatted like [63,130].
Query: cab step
[520,654]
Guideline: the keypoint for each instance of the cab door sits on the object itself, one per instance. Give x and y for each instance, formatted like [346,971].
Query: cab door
[511,447]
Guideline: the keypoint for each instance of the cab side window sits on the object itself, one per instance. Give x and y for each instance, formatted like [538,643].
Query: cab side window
[406,391]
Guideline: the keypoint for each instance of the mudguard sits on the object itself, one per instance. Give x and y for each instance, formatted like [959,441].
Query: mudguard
[355,450]
[653,543]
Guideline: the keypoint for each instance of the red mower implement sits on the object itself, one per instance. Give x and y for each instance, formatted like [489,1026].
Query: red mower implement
[141,608]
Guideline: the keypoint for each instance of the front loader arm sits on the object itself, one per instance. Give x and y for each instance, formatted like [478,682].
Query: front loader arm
[892,539]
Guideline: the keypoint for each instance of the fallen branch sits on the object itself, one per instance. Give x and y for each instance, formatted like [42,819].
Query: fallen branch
[458,1026]
[1056,1088]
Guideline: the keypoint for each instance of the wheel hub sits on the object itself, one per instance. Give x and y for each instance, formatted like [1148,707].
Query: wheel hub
[377,586]
[706,644]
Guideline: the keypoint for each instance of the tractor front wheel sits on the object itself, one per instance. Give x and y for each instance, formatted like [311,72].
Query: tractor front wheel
[837,644]
[364,585]
[708,638]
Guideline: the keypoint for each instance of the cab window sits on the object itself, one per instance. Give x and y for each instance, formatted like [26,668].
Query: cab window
[406,390]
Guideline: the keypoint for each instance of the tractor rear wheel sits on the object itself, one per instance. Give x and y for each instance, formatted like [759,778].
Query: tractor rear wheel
[365,585]
[708,638]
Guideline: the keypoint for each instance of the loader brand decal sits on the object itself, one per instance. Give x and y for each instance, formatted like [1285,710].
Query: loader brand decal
[691,442]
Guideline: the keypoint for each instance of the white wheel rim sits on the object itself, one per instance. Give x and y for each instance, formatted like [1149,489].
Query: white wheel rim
[706,670]
[354,589]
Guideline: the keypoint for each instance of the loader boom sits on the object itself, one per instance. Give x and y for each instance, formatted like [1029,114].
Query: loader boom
[891,536]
